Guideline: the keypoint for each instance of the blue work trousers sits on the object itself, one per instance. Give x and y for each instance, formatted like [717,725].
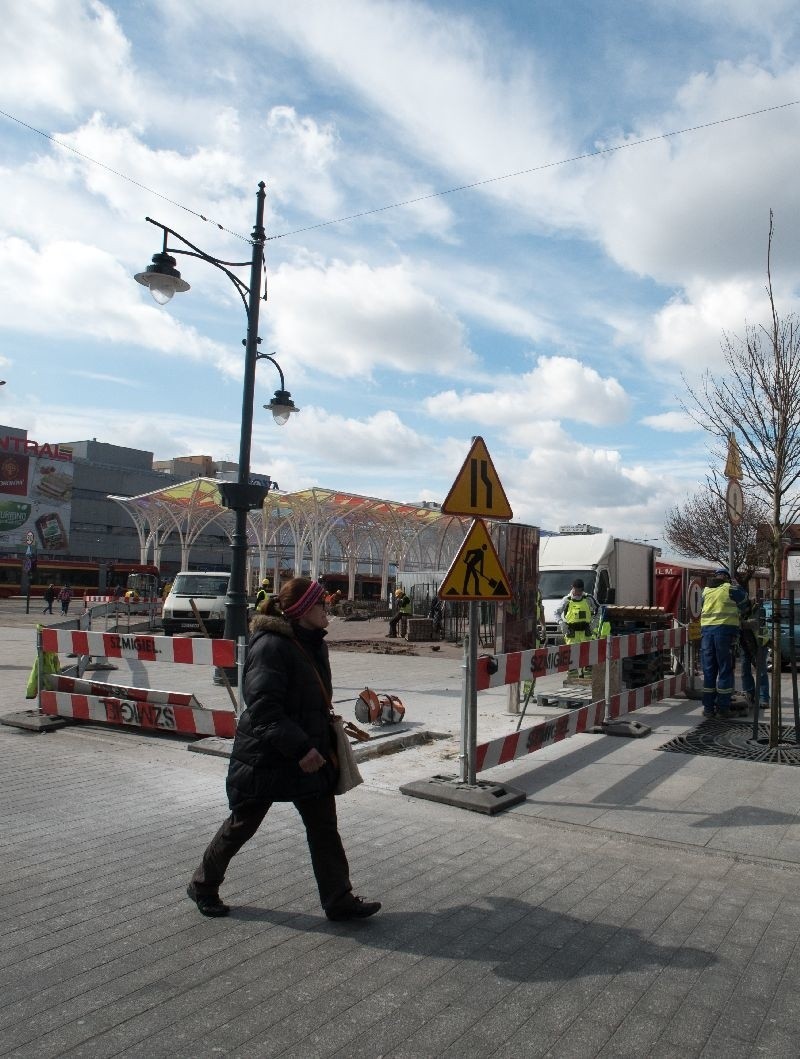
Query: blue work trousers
[716,655]
[748,681]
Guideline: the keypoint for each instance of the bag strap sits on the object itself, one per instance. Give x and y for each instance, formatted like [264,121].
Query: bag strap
[349,727]
[325,693]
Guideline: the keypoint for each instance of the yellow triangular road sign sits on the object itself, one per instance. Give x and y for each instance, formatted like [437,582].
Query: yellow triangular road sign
[477,491]
[476,572]
[733,465]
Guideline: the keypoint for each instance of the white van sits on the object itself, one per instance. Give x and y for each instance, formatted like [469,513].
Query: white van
[208,590]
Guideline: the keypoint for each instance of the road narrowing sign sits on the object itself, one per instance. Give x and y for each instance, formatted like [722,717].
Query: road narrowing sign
[477,490]
[476,572]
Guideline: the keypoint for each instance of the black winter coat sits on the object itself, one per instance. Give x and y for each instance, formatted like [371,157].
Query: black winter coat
[287,714]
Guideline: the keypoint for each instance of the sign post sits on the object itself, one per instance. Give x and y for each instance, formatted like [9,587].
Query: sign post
[734,498]
[476,575]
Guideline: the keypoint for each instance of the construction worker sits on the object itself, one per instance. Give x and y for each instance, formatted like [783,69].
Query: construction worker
[575,614]
[403,605]
[541,628]
[263,592]
[719,633]
[754,639]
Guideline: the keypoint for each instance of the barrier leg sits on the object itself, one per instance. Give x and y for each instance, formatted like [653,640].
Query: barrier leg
[100,661]
[513,698]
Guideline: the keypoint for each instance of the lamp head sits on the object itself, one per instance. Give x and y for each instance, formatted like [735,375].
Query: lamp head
[162,278]
[282,406]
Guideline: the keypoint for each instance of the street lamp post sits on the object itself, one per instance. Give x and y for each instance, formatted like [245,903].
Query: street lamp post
[241,496]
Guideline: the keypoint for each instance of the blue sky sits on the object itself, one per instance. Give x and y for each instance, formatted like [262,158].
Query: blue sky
[554,312]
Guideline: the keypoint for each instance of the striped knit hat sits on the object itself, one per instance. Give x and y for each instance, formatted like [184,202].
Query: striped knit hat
[313,594]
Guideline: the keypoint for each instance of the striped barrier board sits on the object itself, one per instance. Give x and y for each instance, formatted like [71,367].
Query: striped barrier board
[188,650]
[542,661]
[529,740]
[75,685]
[184,720]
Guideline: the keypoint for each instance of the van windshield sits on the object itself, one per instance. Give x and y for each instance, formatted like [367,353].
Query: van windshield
[555,584]
[200,585]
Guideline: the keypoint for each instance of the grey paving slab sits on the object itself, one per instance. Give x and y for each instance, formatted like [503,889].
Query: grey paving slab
[638,903]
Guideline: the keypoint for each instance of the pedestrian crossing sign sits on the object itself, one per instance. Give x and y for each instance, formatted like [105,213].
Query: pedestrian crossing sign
[476,572]
[477,491]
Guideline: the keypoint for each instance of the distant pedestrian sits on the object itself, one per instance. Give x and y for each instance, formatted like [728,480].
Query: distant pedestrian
[49,599]
[284,752]
[65,595]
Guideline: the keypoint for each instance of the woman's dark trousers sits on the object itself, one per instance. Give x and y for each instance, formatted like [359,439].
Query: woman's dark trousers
[325,845]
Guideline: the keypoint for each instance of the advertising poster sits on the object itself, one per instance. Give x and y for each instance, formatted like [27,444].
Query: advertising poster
[35,495]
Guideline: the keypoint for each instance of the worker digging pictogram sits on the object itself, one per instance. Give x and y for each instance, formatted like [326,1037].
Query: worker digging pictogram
[476,572]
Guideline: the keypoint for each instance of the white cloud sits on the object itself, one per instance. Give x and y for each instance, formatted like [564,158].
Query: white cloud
[687,332]
[671,422]
[70,289]
[558,387]
[352,319]
[76,55]
[698,205]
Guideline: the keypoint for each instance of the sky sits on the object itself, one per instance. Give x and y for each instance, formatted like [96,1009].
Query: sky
[549,283]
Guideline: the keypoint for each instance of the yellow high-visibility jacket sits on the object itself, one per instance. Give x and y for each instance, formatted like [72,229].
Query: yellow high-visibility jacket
[719,607]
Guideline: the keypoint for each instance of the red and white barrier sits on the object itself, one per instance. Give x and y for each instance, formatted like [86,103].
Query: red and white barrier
[529,740]
[76,685]
[163,717]
[188,650]
[540,662]
[168,711]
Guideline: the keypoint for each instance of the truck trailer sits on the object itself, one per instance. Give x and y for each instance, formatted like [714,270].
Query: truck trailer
[613,570]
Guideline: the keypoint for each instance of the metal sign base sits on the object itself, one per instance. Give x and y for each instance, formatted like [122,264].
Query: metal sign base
[34,721]
[480,797]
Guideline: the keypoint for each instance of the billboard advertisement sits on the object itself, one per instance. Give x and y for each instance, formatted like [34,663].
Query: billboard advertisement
[35,495]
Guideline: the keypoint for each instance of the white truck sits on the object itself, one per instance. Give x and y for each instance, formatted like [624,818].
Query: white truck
[613,571]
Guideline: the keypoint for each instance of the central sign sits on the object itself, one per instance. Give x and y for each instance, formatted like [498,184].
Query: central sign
[476,572]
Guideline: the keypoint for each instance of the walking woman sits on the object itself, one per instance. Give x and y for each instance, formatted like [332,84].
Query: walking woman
[283,750]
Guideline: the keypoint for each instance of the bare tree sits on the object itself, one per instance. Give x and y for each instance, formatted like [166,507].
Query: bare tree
[699,529]
[759,401]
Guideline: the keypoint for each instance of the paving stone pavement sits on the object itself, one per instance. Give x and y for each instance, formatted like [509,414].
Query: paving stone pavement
[638,903]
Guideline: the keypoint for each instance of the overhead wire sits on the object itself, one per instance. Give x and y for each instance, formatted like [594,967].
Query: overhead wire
[538,168]
[124,176]
[599,152]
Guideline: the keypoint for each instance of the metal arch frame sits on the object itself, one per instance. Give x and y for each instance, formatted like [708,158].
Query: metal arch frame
[322,521]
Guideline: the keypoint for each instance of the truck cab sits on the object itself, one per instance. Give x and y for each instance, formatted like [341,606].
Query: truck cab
[613,570]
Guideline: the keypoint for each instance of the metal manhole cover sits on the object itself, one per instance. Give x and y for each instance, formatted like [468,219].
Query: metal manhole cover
[734,739]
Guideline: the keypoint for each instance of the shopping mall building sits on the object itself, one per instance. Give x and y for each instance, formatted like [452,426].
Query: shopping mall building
[55,506]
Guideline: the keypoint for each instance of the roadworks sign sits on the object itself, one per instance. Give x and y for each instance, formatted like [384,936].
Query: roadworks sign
[476,572]
[477,490]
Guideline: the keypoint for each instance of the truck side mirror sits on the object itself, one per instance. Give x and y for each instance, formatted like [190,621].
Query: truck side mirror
[611,595]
